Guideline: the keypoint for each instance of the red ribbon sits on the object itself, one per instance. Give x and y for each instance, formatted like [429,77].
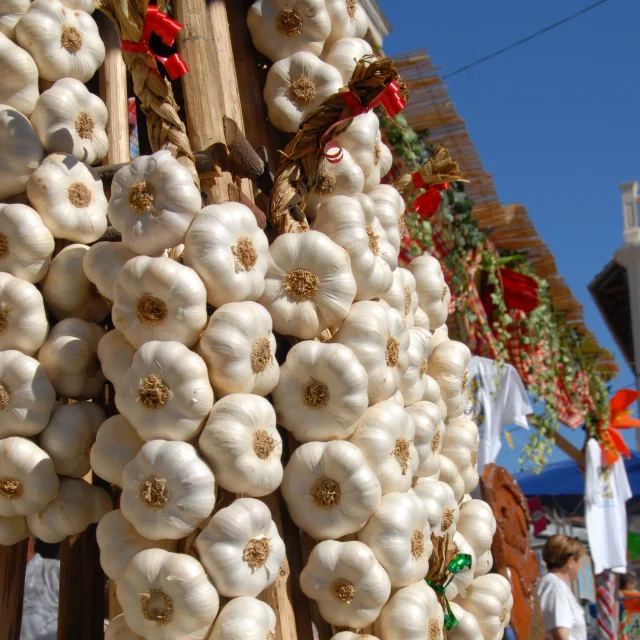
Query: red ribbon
[429,202]
[161,24]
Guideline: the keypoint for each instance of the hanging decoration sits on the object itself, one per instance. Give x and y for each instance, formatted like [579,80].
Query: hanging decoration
[611,440]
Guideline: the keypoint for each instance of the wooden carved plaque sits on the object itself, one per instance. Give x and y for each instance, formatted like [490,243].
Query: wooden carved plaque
[512,554]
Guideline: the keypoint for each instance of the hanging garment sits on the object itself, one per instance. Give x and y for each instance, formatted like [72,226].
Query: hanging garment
[40,603]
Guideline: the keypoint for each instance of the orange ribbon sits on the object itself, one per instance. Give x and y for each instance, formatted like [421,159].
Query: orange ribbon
[613,444]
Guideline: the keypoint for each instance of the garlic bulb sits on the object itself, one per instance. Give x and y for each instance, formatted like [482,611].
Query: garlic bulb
[76,506]
[329,489]
[241,549]
[153,202]
[460,445]
[67,290]
[412,613]
[245,619]
[297,85]
[441,334]
[433,292]
[415,380]
[442,506]
[385,435]
[239,348]
[64,43]
[119,542]
[322,392]
[477,524]
[427,440]
[26,244]
[166,392]
[81,5]
[342,219]
[389,209]
[167,596]
[13,529]
[280,28]
[242,444]
[115,355]
[348,20]
[69,118]
[116,444]
[347,582]
[159,299]
[461,581]
[70,198]
[23,320]
[19,75]
[102,264]
[450,475]
[422,319]
[399,535]
[69,436]
[118,629]
[70,361]
[10,12]
[489,599]
[22,151]
[484,564]
[467,627]
[448,367]
[229,252]
[309,284]
[349,635]
[167,490]
[345,54]
[376,334]
[402,296]
[28,478]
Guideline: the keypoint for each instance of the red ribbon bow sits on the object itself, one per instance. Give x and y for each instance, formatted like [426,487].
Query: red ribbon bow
[429,202]
[160,23]
[612,440]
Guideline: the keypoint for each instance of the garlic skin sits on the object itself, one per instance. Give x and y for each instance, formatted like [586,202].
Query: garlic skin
[402,296]
[167,490]
[77,505]
[242,445]
[389,207]
[280,28]
[153,202]
[239,348]
[119,542]
[484,564]
[159,299]
[115,355]
[28,479]
[460,445]
[422,319]
[433,291]
[345,53]
[116,444]
[10,12]
[412,613]
[322,392]
[442,506]
[64,43]
[241,549]
[245,619]
[348,20]
[19,75]
[297,85]
[309,285]
[27,398]
[119,630]
[450,475]
[166,392]
[467,627]
[376,334]
[69,118]
[478,525]
[69,197]
[385,435]
[12,530]
[349,635]
[227,249]
[22,151]
[329,489]
[461,581]
[399,535]
[347,582]
[69,359]
[26,244]
[441,334]
[167,596]
[67,290]
[428,438]
[23,320]
[415,380]
[81,5]
[447,365]
[102,264]
[69,436]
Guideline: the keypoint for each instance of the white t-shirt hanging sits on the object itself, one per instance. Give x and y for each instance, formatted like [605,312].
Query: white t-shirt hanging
[497,398]
[606,489]
[560,607]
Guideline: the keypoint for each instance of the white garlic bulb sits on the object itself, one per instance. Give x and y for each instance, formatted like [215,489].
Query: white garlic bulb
[402,296]
[245,619]
[19,75]
[239,348]
[441,334]
[159,299]
[433,292]
[166,392]
[460,445]
[69,118]
[241,549]
[427,439]
[347,582]
[477,524]
[467,627]
[442,507]
[118,629]
[329,489]
[153,202]
[10,12]
[102,264]
[309,284]
[350,635]
[69,436]
[167,596]
[450,475]
[389,209]
[28,480]
[447,365]
[415,380]
[399,535]
[348,20]
[322,392]
[484,564]
[116,355]
[422,319]
[345,53]
[167,490]
[460,581]
[69,197]
[13,529]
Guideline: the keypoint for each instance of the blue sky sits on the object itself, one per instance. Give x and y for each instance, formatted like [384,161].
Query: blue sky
[556,121]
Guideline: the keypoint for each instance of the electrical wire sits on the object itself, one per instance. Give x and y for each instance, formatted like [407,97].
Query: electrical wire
[523,40]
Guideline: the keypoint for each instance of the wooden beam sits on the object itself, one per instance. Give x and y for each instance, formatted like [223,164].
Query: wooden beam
[13,563]
[564,445]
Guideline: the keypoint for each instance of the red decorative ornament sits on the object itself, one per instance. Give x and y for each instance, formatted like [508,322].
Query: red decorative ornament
[613,444]
[429,202]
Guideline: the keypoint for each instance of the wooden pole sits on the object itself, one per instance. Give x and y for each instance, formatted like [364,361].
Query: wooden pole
[564,445]
[13,563]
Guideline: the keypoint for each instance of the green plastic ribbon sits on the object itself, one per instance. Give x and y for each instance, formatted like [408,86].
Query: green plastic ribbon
[459,563]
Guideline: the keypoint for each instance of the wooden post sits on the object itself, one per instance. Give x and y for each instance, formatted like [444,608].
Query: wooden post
[13,563]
